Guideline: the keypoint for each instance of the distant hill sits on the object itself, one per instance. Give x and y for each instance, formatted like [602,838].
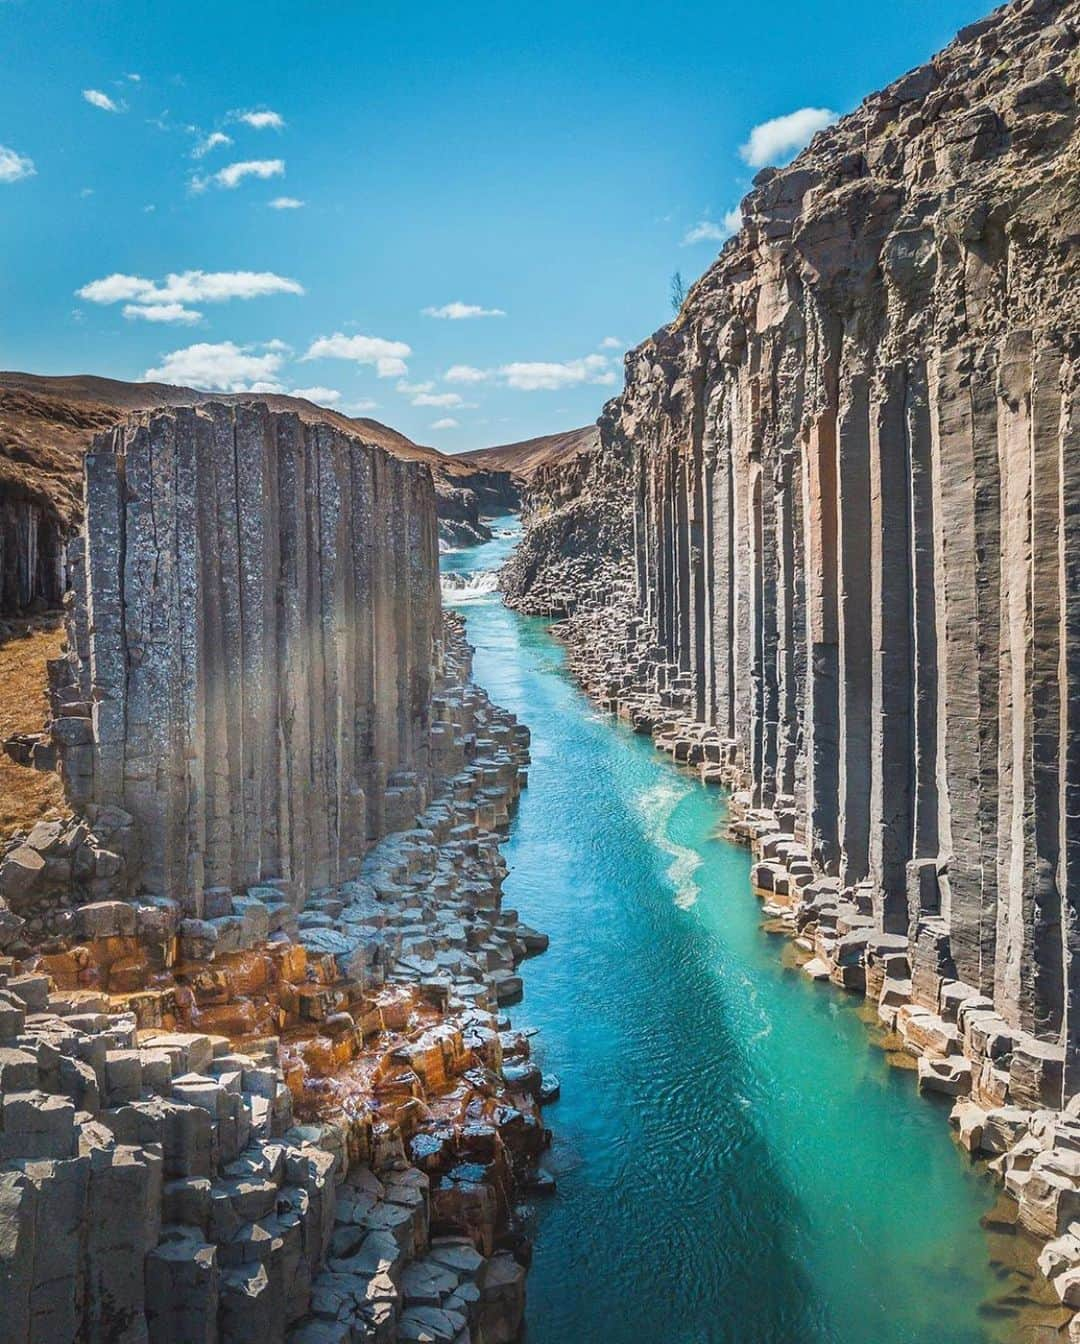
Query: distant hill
[46,424]
[522,459]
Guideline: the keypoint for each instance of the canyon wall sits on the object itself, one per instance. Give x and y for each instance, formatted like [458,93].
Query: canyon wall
[255,1076]
[31,554]
[253,643]
[48,424]
[853,466]
[578,526]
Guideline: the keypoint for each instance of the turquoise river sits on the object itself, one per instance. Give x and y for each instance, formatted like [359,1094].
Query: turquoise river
[735,1162]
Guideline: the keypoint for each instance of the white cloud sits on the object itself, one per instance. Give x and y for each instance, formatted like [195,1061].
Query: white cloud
[611,343]
[387,357]
[325,396]
[161,312]
[551,377]
[98,99]
[235,173]
[412,389]
[135,79]
[466,373]
[447,422]
[443,399]
[457,311]
[210,142]
[224,367]
[705,230]
[14,167]
[262,121]
[733,220]
[359,407]
[777,140]
[188,287]
[286,203]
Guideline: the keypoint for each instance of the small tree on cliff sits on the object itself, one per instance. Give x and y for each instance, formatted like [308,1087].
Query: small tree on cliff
[678,292]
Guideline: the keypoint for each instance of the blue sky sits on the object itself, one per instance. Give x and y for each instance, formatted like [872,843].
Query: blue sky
[551,165]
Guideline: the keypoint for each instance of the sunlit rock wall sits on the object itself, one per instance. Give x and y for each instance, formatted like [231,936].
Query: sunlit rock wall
[854,461]
[253,643]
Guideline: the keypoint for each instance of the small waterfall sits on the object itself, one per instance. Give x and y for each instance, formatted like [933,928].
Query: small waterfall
[469,587]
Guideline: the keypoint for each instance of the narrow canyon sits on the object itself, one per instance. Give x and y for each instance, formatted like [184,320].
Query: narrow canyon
[753,708]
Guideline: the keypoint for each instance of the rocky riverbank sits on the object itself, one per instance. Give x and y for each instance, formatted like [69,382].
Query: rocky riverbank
[837,574]
[256,1081]
[1005,1111]
[311,1125]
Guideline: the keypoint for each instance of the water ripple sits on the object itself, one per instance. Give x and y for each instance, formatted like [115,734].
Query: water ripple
[734,1165]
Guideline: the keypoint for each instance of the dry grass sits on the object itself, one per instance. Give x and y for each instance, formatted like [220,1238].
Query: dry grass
[26,795]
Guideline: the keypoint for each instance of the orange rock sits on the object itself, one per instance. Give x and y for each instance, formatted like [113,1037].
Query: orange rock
[322,968]
[227,1019]
[210,985]
[398,1087]
[248,973]
[127,975]
[293,1072]
[104,951]
[318,1055]
[64,968]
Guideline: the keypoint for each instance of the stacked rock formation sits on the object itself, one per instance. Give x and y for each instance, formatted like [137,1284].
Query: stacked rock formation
[275,1126]
[851,459]
[852,587]
[251,646]
[255,1077]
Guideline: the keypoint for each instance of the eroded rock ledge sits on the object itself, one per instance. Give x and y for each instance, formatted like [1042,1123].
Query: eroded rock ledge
[850,469]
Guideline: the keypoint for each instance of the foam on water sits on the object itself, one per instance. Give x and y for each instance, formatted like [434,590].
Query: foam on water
[457,588]
[656,806]
[735,1164]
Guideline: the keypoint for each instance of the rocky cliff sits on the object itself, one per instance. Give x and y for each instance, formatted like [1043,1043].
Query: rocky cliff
[47,424]
[578,517]
[851,463]
[255,1078]
[252,646]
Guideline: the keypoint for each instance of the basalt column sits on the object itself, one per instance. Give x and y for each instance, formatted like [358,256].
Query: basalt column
[852,461]
[255,628]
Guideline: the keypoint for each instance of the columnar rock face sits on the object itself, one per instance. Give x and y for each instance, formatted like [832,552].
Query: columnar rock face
[47,425]
[31,554]
[253,643]
[854,461]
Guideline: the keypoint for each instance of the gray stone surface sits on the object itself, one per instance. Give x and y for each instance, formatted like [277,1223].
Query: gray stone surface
[261,669]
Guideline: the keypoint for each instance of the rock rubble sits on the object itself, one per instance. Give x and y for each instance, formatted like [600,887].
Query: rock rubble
[272,1124]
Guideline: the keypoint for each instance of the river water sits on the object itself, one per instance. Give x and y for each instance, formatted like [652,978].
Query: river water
[736,1164]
